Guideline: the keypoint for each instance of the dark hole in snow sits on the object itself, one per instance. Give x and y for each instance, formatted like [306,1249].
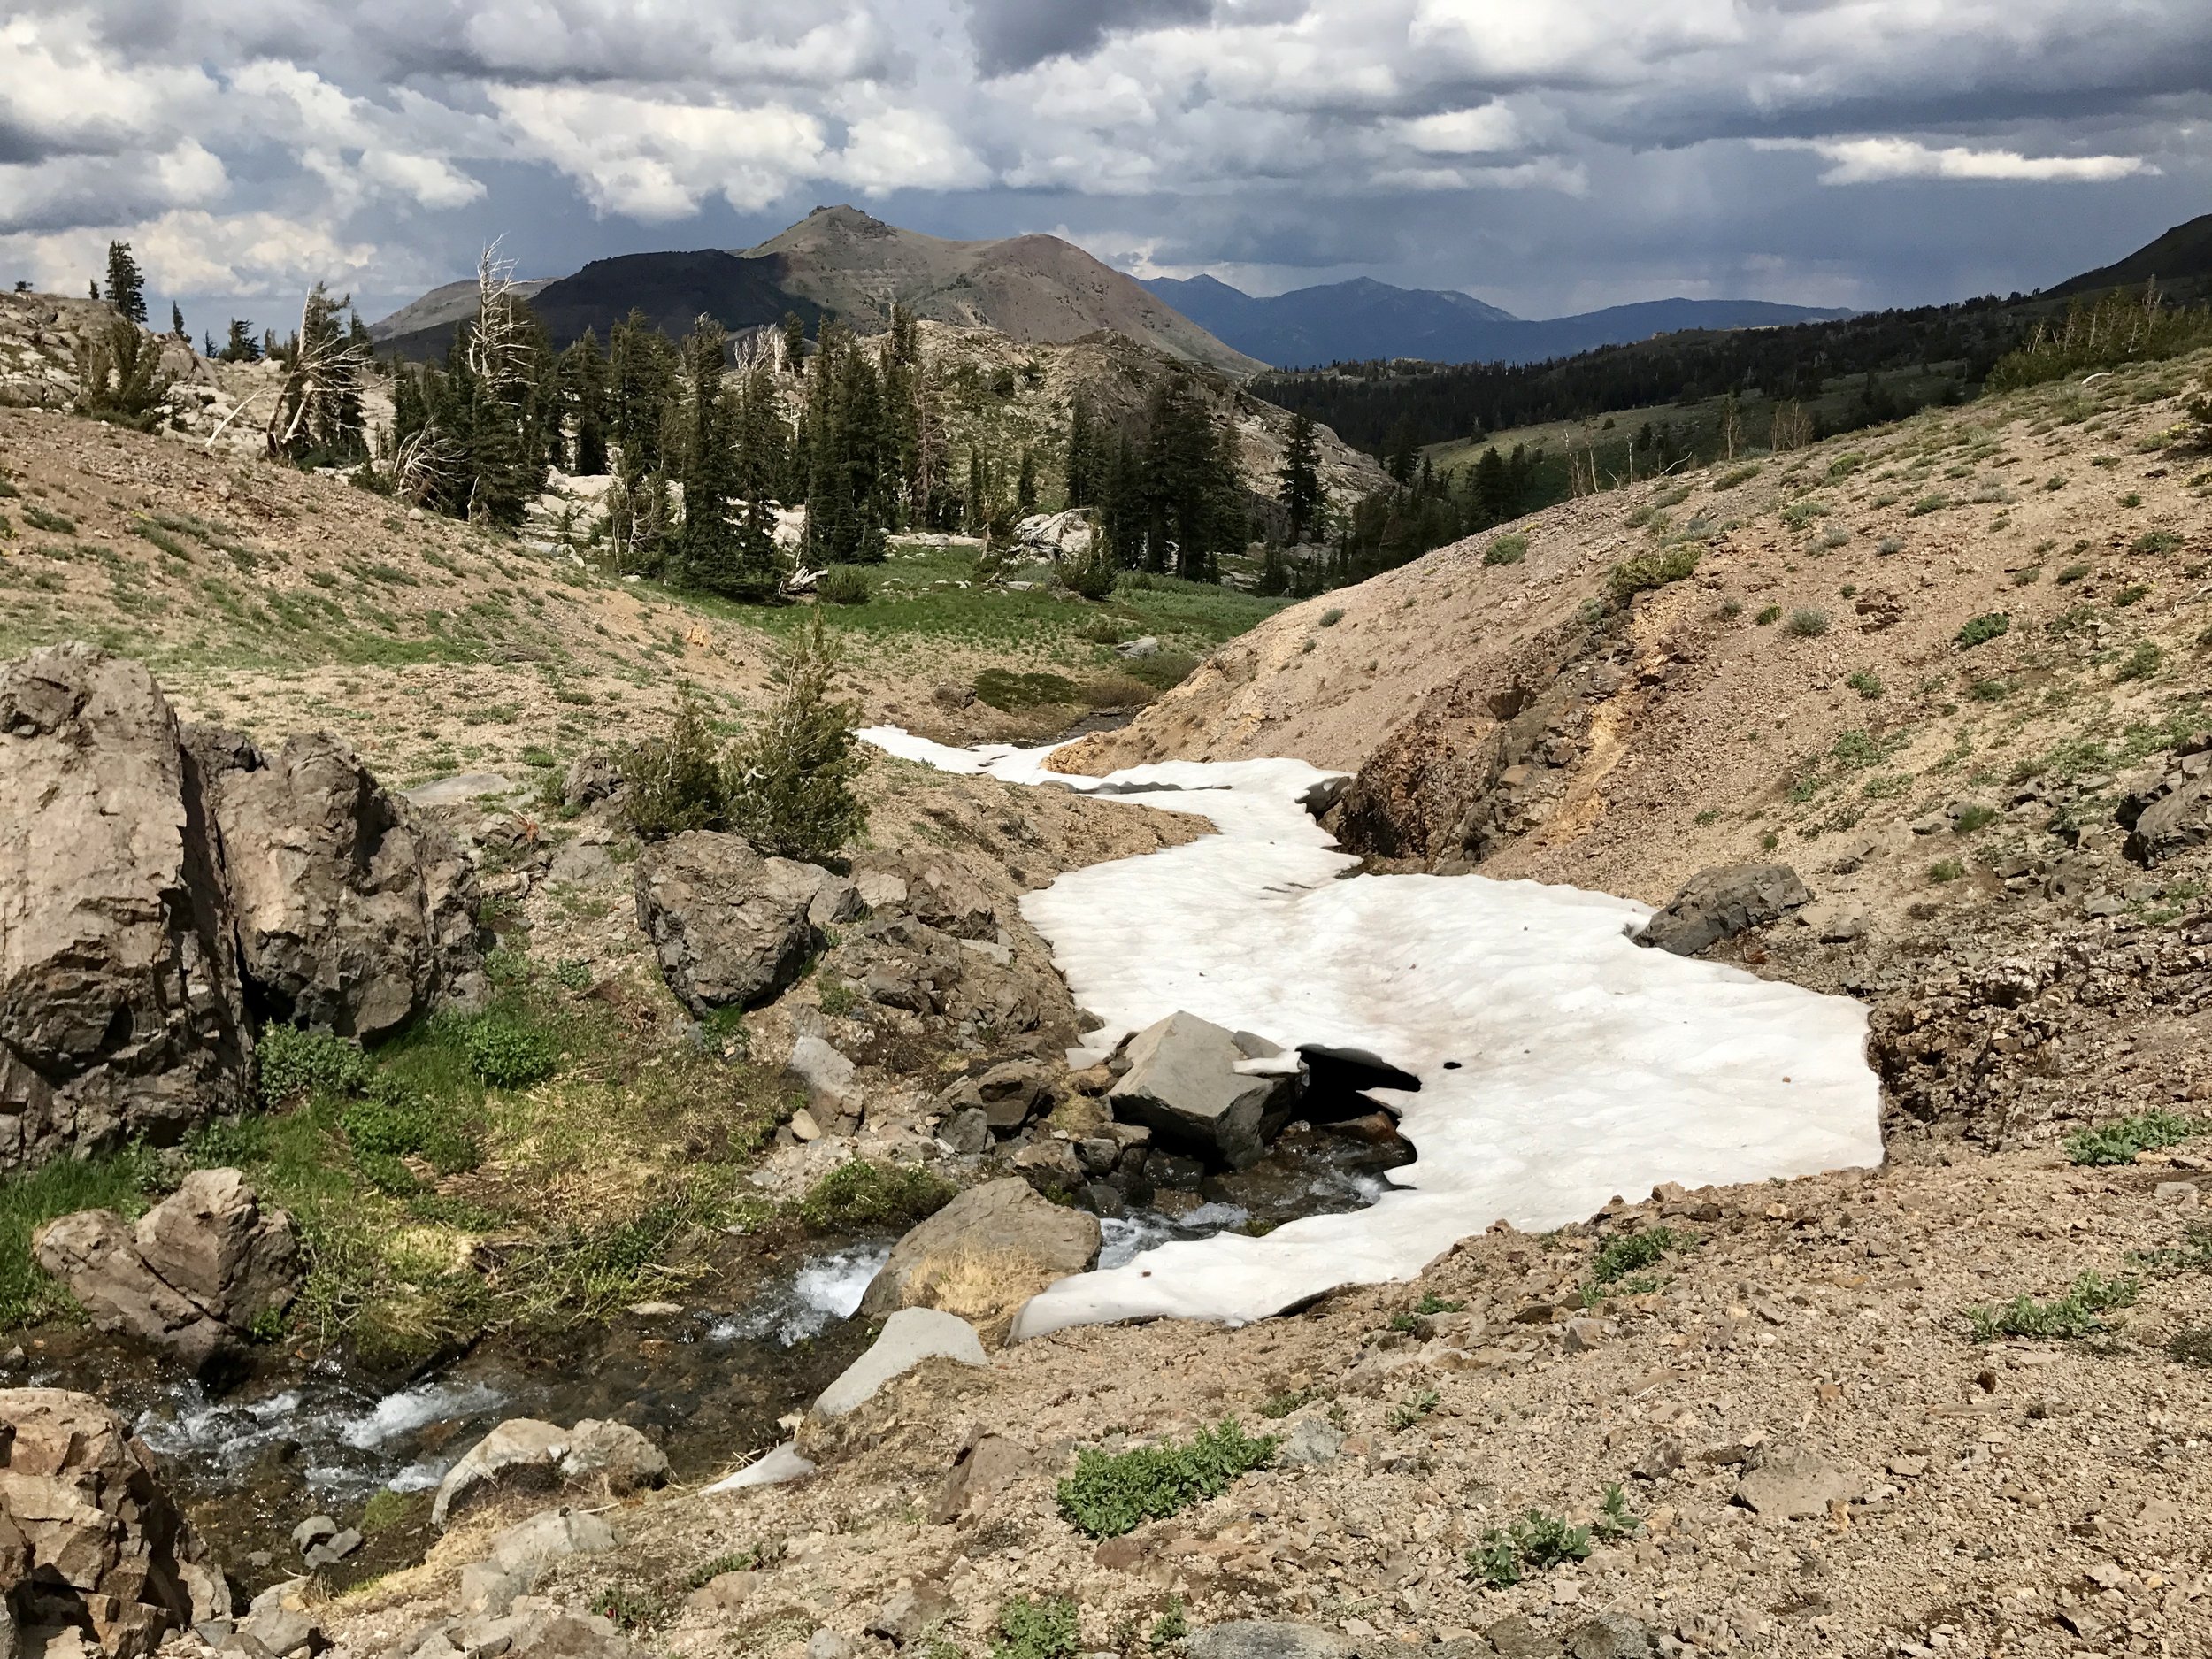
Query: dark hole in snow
[1451,1065]
[1337,1081]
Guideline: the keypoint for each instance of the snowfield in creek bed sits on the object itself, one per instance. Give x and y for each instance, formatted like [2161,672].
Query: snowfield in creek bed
[1585,1066]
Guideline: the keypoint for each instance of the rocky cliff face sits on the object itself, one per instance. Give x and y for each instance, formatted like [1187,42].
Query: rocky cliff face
[164,890]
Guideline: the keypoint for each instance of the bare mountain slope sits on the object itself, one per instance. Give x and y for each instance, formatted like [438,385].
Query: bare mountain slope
[1031,289]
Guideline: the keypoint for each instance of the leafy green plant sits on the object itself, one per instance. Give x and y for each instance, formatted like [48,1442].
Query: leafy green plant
[507,1052]
[290,1064]
[2156,542]
[1972,818]
[1410,1411]
[1170,1626]
[732,1561]
[1945,870]
[1047,1628]
[1534,1543]
[2066,1318]
[1865,683]
[631,1607]
[1629,1253]
[1506,549]
[844,585]
[1981,629]
[1767,616]
[1113,1492]
[2141,663]
[1807,623]
[1614,1521]
[862,1194]
[2071,574]
[2119,1140]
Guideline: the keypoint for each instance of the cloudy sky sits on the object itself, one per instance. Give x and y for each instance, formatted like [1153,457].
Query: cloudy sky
[1548,155]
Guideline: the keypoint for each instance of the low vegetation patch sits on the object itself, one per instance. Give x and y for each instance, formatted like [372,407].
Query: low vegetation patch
[1982,629]
[1537,1541]
[1506,549]
[1647,571]
[2119,1140]
[1809,624]
[1114,1492]
[2067,1318]
[862,1194]
[1046,1628]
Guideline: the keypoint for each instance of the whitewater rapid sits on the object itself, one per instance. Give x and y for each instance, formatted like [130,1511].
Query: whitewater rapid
[1561,1064]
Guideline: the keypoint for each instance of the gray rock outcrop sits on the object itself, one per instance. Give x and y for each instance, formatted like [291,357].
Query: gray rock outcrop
[352,914]
[1184,1083]
[192,1277]
[122,1014]
[1721,902]
[732,928]
[984,1254]
[1054,536]
[88,1535]
[2170,810]
[158,882]
[525,1455]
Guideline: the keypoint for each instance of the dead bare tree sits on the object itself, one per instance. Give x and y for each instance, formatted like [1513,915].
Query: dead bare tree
[498,334]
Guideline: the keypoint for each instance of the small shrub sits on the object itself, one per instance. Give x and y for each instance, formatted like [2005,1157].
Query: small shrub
[2066,1318]
[1330,617]
[1980,630]
[1809,624]
[1927,505]
[1282,1402]
[1865,683]
[1045,1629]
[1411,1410]
[838,997]
[2133,498]
[1112,1494]
[389,1509]
[1768,617]
[631,1607]
[53,523]
[862,1194]
[676,782]
[506,1053]
[1973,818]
[1093,578]
[2071,574]
[2135,593]
[1649,571]
[2191,1345]
[1945,870]
[1614,1523]
[1888,545]
[2142,662]
[292,1064]
[1632,1252]
[2119,1140]
[1506,549]
[707,1571]
[2156,542]
[844,585]
[1534,1543]
[1731,609]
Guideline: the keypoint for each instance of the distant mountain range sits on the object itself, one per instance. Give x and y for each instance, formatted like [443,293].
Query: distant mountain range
[2180,261]
[1038,289]
[1356,321]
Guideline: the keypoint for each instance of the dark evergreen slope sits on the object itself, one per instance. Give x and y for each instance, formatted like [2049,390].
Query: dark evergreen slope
[2180,262]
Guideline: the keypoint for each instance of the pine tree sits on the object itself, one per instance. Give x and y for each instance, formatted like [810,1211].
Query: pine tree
[584,389]
[795,342]
[176,320]
[1087,461]
[127,289]
[760,462]
[792,777]
[240,346]
[1301,477]
[706,553]
[1025,486]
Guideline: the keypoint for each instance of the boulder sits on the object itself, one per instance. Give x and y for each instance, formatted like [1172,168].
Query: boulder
[590,778]
[193,1277]
[353,914]
[1184,1084]
[1721,902]
[985,1468]
[910,1336]
[1054,536]
[732,928]
[1792,1483]
[525,1455]
[88,1536]
[984,1254]
[911,1613]
[158,882]
[2169,817]
[541,1628]
[1266,1639]
[122,1014]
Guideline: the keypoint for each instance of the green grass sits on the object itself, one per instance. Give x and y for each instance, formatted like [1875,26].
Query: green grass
[1113,1492]
[863,1194]
[2119,1140]
[2065,1318]
[1632,1252]
[119,1182]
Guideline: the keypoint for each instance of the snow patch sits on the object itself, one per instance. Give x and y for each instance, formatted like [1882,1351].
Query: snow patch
[1560,1064]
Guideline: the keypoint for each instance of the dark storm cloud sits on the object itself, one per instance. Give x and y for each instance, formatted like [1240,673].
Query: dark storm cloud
[1012,35]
